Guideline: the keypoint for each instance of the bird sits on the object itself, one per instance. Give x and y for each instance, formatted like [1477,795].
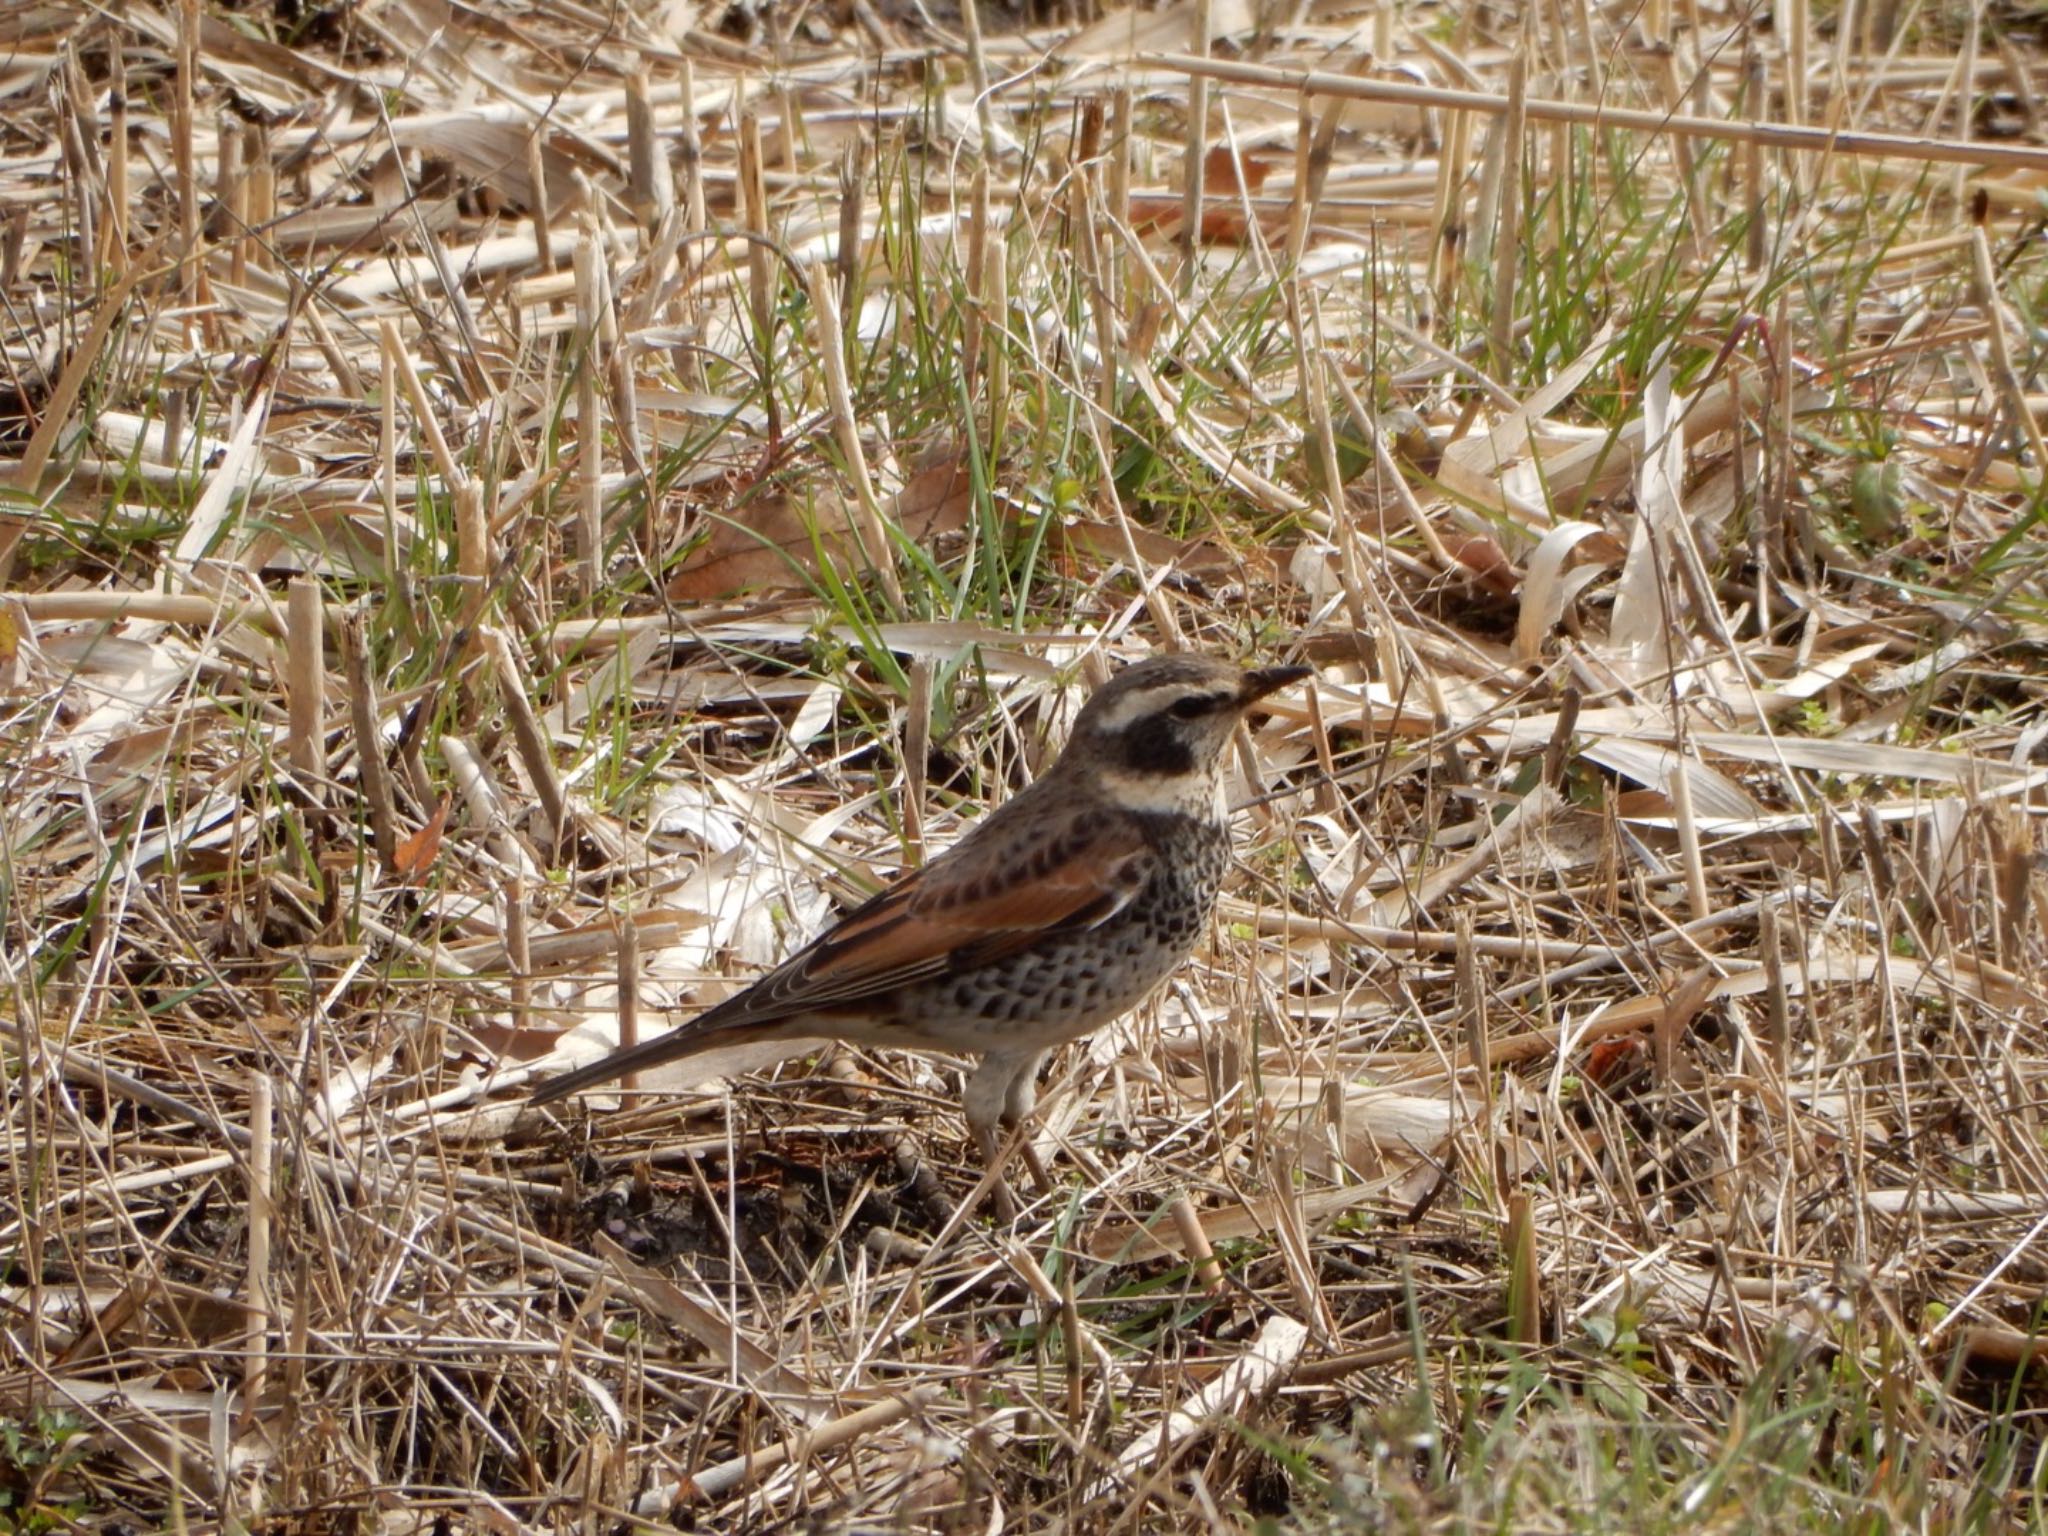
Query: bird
[1057,913]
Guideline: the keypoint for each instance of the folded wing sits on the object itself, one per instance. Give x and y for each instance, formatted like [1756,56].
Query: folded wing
[955,913]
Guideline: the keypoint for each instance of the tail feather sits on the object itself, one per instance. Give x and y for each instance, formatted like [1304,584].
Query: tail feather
[684,1040]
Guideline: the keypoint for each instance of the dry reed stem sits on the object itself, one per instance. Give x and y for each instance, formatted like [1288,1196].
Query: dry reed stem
[1507,238]
[1810,140]
[876,545]
[588,542]
[306,687]
[1195,161]
[1721,1082]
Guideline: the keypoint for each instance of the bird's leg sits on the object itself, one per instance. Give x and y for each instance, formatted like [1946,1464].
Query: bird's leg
[1019,1100]
[1002,1091]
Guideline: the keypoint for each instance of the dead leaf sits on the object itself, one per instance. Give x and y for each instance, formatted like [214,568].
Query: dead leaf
[1682,1005]
[1090,540]
[768,541]
[1223,223]
[1485,559]
[1221,172]
[1607,1057]
[937,498]
[1128,32]
[1639,802]
[413,857]
[775,540]
[1551,586]
[1228,178]
[494,154]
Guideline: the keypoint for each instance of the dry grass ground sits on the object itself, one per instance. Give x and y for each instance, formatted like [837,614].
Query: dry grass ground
[512,512]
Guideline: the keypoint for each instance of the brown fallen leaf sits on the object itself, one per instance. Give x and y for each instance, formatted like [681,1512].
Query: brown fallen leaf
[1222,223]
[1486,560]
[494,155]
[937,498]
[1085,540]
[1220,172]
[1227,179]
[415,855]
[1640,802]
[765,541]
[775,540]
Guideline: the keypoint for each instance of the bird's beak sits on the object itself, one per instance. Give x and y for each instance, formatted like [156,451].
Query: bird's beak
[1257,684]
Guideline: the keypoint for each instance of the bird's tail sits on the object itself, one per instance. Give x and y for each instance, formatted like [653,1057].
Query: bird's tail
[684,1040]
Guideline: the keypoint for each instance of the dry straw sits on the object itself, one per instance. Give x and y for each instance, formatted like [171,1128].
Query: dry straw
[508,526]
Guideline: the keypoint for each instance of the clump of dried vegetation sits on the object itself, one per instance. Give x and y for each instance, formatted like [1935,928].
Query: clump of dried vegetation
[514,511]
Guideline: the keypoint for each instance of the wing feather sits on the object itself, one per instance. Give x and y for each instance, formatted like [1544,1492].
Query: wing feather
[956,913]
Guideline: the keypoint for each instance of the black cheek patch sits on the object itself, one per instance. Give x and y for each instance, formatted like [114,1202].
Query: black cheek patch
[1154,747]
[1196,705]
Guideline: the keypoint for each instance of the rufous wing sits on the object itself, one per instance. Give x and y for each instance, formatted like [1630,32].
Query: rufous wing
[963,912]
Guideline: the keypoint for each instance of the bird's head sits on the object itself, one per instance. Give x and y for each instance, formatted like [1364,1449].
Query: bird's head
[1153,736]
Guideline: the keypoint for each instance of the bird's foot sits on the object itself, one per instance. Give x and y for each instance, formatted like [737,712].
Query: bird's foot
[996,1152]
[1002,1201]
[1040,1179]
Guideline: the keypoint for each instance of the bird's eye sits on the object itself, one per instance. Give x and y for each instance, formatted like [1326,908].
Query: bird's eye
[1193,707]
